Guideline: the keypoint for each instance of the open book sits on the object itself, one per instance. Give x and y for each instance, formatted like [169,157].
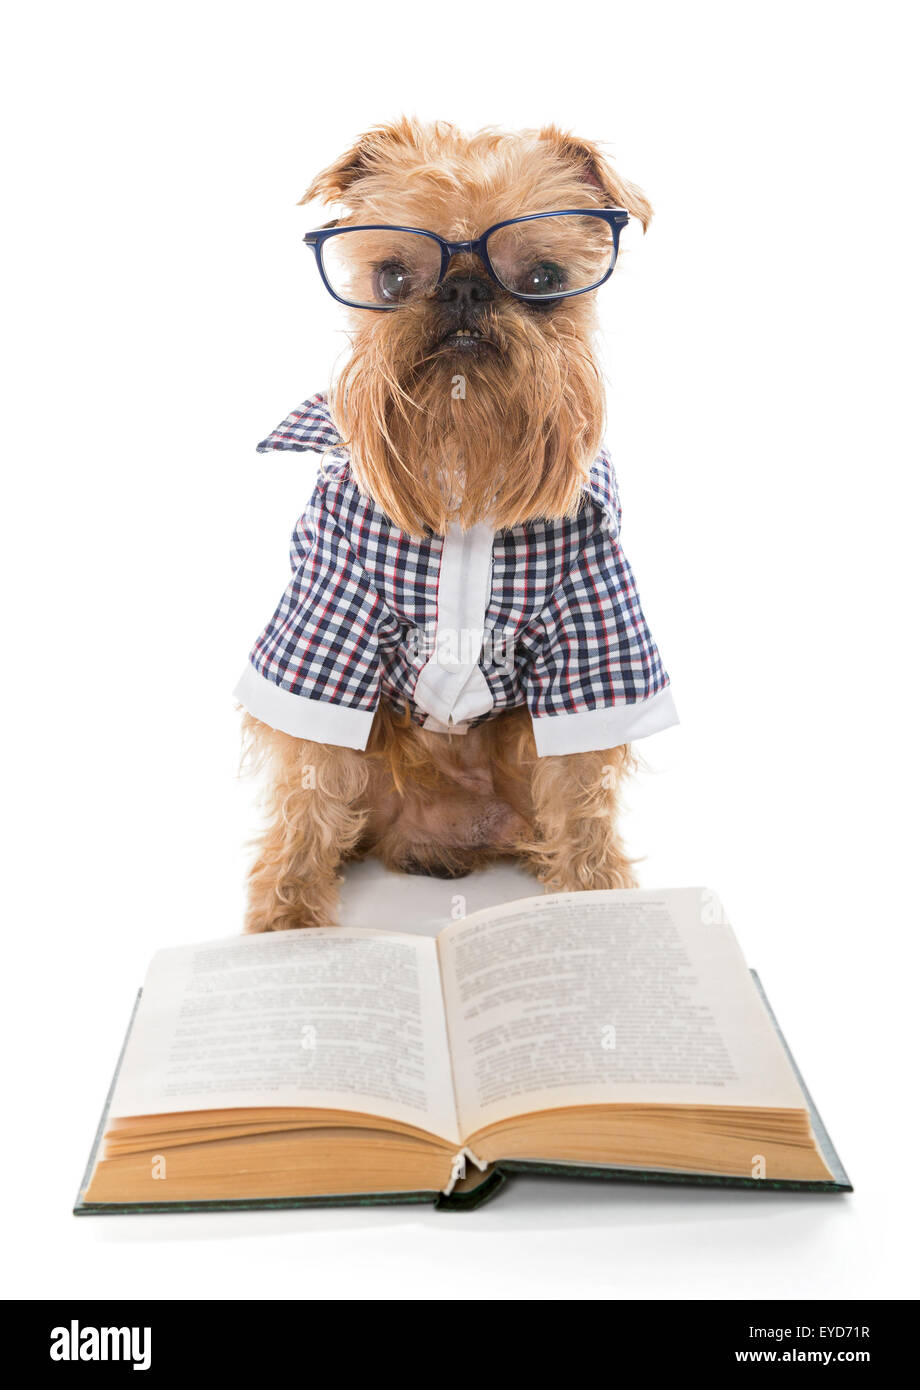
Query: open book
[607,1034]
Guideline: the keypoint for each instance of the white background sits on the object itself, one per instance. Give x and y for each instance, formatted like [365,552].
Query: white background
[161,317]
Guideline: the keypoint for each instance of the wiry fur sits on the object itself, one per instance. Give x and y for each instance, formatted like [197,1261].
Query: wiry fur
[516,447]
[415,452]
[424,803]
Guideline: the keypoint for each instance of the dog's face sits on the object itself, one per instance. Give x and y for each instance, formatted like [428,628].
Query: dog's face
[467,403]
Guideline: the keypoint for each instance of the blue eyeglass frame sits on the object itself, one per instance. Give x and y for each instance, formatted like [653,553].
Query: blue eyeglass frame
[616,219]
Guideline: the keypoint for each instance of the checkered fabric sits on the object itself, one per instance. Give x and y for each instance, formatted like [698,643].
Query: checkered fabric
[565,632]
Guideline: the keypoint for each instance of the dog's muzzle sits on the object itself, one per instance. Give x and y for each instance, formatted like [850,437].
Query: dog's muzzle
[465,304]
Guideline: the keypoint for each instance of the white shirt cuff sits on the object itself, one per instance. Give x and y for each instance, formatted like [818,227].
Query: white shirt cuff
[594,729]
[300,716]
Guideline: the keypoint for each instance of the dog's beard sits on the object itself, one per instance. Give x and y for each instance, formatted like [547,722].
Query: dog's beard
[505,432]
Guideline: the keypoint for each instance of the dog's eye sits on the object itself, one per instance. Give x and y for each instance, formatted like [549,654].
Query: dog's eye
[545,278]
[392,280]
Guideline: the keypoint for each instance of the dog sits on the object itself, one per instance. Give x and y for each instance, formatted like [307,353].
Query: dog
[460,664]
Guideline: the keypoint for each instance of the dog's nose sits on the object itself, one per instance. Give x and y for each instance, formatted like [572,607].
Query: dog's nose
[465,291]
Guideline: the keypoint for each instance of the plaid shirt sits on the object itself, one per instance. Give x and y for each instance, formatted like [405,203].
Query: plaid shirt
[456,627]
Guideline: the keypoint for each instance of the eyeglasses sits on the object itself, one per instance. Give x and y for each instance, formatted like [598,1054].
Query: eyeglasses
[544,256]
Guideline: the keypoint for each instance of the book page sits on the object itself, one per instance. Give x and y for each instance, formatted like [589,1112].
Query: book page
[604,998]
[331,1017]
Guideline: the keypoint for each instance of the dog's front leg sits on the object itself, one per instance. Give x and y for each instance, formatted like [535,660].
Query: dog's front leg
[576,798]
[315,821]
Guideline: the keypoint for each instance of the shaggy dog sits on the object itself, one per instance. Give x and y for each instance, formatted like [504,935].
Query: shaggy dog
[460,662]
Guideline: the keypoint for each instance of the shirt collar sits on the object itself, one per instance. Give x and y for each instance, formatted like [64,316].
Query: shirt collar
[310,428]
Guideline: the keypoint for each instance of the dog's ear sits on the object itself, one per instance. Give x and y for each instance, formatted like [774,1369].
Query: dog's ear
[333,183]
[367,156]
[597,171]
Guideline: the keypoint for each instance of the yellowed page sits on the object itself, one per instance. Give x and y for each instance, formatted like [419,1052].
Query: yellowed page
[336,1018]
[604,998]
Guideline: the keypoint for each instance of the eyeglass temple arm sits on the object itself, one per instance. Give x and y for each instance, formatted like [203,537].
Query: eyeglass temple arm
[310,237]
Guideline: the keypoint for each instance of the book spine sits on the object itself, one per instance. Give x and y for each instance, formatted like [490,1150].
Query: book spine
[458,1168]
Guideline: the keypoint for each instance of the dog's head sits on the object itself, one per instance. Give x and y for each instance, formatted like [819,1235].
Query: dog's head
[466,401]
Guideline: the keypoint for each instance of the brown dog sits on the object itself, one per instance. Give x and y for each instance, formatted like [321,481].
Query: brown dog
[463,481]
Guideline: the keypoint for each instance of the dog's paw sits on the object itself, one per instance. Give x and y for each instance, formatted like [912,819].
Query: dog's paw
[578,876]
[619,876]
[286,920]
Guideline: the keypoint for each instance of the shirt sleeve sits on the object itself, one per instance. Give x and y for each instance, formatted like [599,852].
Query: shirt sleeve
[314,672]
[596,679]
